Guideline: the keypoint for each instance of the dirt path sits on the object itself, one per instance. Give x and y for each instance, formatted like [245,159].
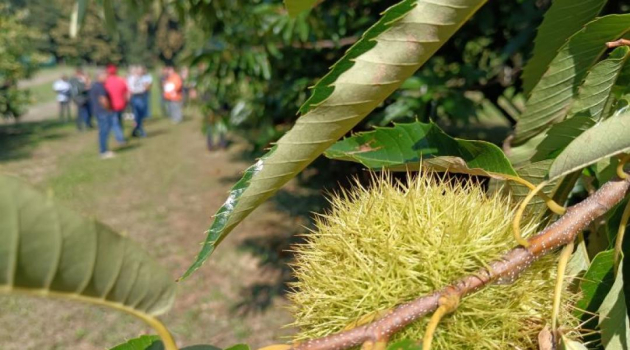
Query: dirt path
[45,76]
[160,191]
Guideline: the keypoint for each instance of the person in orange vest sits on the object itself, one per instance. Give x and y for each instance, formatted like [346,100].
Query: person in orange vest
[173,87]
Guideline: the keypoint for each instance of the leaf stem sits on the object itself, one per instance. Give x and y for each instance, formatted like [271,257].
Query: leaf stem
[553,206]
[620,233]
[448,304]
[557,295]
[157,325]
[516,224]
[162,331]
[617,43]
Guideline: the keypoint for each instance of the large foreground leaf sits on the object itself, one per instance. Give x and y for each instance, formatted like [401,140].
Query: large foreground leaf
[295,7]
[609,138]
[613,317]
[48,250]
[389,52]
[563,19]
[556,91]
[407,146]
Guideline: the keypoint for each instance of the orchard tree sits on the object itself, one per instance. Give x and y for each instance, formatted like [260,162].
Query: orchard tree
[18,60]
[511,265]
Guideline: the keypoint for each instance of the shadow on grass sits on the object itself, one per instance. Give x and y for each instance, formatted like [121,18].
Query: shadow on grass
[126,148]
[17,141]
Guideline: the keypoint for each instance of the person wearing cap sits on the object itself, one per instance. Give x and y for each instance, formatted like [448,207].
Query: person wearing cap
[101,108]
[118,92]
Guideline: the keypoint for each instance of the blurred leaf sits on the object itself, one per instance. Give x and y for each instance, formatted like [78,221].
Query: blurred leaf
[613,316]
[375,66]
[407,146]
[557,89]
[596,283]
[563,19]
[78,16]
[110,16]
[295,7]
[405,344]
[238,347]
[604,140]
[48,250]
[145,342]
[152,342]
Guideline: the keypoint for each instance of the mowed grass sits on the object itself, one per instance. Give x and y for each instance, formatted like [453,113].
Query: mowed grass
[161,192]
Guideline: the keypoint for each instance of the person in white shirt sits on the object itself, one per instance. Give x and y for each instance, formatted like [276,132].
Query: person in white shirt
[138,89]
[63,88]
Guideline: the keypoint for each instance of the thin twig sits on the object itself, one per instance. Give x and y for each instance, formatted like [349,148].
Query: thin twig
[506,269]
[617,43]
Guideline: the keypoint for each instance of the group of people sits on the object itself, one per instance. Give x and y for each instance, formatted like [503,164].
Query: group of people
[108,96]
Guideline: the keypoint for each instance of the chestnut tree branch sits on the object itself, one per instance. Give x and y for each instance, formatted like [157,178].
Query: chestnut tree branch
[617,43]
[506,269]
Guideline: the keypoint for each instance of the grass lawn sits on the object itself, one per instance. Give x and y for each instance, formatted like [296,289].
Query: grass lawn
[160,191]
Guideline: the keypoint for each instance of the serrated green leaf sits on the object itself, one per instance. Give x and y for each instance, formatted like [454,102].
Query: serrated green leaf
[563,19]
[49,250]
[604,140]
[389,52]
[596,283]
[560,136]
[405,344]
[595,93]
[596,90]
[408,146]
[557,89]
[613,316]
[295,7]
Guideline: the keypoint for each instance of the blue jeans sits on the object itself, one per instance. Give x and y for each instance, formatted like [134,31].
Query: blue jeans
[175,111]
[147,101]
[65,115]
[84,117]
[118,126]
[105,123]
[139,107]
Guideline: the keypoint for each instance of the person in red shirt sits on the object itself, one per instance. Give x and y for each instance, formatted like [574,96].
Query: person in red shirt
[118,92]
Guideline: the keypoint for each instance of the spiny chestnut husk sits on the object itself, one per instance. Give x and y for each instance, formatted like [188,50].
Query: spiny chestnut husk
[387,244]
